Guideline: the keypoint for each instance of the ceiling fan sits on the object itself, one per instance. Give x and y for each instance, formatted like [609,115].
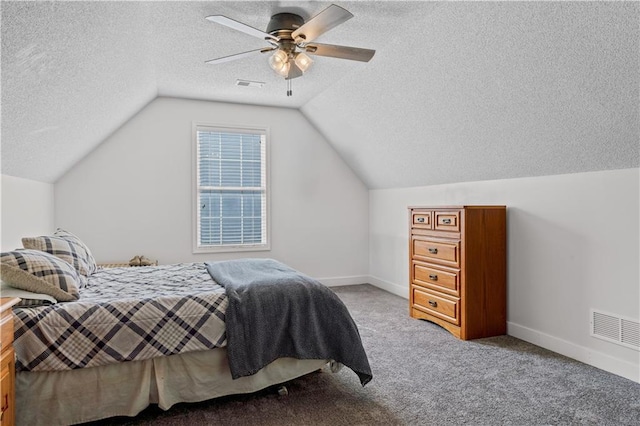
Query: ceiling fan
[291,40]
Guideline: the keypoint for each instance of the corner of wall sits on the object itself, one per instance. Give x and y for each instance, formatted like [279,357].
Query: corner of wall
[27,208]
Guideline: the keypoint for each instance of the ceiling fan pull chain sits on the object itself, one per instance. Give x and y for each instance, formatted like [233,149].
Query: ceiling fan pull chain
[289,91]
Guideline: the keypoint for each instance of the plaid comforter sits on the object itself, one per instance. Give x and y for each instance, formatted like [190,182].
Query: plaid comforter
[124,314]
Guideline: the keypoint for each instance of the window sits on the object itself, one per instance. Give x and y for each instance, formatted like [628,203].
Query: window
[230,189]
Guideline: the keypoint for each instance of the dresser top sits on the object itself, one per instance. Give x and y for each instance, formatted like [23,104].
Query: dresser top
[7,303]
[457,207]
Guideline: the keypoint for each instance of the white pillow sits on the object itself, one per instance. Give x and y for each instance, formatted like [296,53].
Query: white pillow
[27,298]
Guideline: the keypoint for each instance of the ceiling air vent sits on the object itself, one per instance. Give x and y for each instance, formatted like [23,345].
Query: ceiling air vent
[249,83]
[615,329]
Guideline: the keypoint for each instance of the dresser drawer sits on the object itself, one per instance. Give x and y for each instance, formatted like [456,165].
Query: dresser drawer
[446,281]
[7,396]
[422,220]
[447,221]
[436,305]
[444,252]
[7,360]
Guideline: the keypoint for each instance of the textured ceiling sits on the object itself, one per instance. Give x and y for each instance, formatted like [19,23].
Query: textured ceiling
[457,91]
[492,91]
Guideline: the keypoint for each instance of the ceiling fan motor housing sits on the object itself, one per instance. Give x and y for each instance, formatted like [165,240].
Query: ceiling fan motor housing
[283,24]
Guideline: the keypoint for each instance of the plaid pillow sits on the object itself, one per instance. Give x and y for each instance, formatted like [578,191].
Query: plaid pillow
[67,247]
[91,261]
[40,272]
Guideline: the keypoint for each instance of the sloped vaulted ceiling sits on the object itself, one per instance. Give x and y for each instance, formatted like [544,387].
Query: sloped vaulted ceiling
[493,90]
[457,91]
[71,74]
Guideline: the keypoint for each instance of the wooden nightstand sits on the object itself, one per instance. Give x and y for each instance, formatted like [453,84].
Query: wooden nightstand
[7,362]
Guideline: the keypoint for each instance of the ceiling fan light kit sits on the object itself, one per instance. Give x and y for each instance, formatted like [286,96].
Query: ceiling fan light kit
[291,41]
[303,61]
[279,62]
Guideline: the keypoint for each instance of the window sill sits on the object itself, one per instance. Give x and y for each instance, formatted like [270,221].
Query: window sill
[231,249]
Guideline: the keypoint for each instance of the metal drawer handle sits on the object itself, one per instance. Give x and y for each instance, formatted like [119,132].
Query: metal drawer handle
[433,303]
[433,250]
[446,221]
[433,277]
[420,219]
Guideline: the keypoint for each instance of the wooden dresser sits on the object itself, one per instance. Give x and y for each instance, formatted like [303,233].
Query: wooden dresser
[457,268]
[7,363]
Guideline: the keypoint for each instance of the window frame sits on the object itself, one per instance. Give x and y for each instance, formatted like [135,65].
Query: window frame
[195,217]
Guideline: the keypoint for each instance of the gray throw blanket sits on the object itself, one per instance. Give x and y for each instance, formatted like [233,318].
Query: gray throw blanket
[275,311]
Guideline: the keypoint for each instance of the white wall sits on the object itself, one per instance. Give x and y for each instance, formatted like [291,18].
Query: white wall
[573,245]
[27,210]
[132,195]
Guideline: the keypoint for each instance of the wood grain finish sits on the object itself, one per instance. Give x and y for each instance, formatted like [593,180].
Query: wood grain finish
[436,304]
[442,279]
[440,251]
[422,220]
[457,269]
[7,363]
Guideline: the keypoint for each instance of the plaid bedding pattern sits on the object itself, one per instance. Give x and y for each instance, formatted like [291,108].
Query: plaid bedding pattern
[124,314]
[65,249]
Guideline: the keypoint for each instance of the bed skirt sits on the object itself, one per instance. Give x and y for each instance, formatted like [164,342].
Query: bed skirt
[125,389]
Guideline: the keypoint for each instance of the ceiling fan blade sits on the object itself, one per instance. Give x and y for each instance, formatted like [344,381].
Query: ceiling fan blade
[238,56]
[294,71]
[342,52]
[239,26]
[321,23]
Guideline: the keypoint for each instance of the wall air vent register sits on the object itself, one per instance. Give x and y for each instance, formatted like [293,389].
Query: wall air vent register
[615,329]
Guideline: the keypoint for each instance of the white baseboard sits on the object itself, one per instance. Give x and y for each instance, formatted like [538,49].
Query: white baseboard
[392,288]
[338,281]
[596,359]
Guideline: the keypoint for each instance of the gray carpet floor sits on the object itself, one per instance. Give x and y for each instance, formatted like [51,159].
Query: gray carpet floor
[424,376]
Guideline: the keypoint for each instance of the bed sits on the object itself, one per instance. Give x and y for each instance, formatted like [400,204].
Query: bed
[130,337]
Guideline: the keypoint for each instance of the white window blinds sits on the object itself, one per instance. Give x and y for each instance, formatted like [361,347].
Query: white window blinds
[231,188]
